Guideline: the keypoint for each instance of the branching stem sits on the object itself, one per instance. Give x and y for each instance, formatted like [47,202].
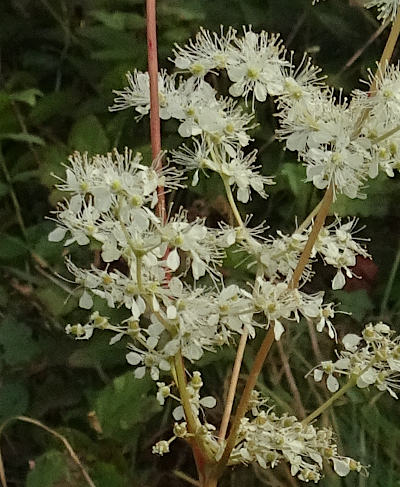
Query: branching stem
[330,401]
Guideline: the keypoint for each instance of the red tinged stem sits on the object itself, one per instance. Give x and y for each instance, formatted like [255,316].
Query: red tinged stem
[155,130]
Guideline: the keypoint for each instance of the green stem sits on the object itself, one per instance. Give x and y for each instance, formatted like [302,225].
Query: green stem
[139,260]
[183,393]
[389,285]
[309,219]
[331,400]
[13,195]
[231,201]
[386,135]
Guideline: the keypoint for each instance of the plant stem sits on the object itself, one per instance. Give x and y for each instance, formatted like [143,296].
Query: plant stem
[388,51]
[389,285]
[244,400]
[155,129]
[386,135]
[269,338]
[139,273]
[309,218]
[322,212]
[384,60]
[180,375]
[13,196]
[330,401]
[243,339]
[211,482]
[318,224]
[201,455]
[231,201]
[232,386]
[185,477]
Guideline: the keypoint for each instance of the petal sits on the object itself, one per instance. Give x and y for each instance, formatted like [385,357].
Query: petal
[332,383]
[341,467]
[133,358]
[57,234]
[208,401]
[278,330]
[86,301]
[173,260]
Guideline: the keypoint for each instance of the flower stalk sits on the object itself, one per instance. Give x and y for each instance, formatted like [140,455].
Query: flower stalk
[155,126]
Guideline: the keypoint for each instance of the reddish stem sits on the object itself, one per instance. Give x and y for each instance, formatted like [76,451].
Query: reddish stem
[155,137]
[155,130]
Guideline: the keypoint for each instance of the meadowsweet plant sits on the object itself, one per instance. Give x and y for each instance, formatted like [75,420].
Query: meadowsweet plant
[172,284]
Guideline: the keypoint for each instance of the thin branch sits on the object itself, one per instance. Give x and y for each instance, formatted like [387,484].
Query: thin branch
[318,224]
[292,382]
[62,438]
[244,400]
[232,386]
[360,51]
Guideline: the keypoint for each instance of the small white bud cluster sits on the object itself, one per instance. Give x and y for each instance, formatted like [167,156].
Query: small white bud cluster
[371,359]
[266,439]
[197,404]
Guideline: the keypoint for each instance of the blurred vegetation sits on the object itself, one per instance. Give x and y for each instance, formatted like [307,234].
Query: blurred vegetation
[60,60]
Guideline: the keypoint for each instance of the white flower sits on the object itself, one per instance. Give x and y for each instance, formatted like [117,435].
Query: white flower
[256,66]
[387,8]
[161,448]
[195,239]
[209,51]
[151,360]
[372,359]
[242,173]
[81,332]
[137,95]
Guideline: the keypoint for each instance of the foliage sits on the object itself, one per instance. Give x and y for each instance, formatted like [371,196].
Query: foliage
[60,61]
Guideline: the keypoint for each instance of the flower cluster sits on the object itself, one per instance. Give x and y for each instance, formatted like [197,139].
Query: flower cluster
[267,439]
[372,359]
[197,403]
[168,275]
[323,128]
[387,8]
[336,245]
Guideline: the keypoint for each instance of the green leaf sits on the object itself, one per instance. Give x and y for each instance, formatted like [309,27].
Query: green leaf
[27,96]
[120,53]
[358,303]
[97,352]
[55,300]
[88,135]
[16,340]
[22,137]
[106,475]
[295,174]
[12,248]
[25,176]
[376,204]
[50,468]
[14,400]
[119,20]
[125,404]
[4,189]
[56,104]
[52,158]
